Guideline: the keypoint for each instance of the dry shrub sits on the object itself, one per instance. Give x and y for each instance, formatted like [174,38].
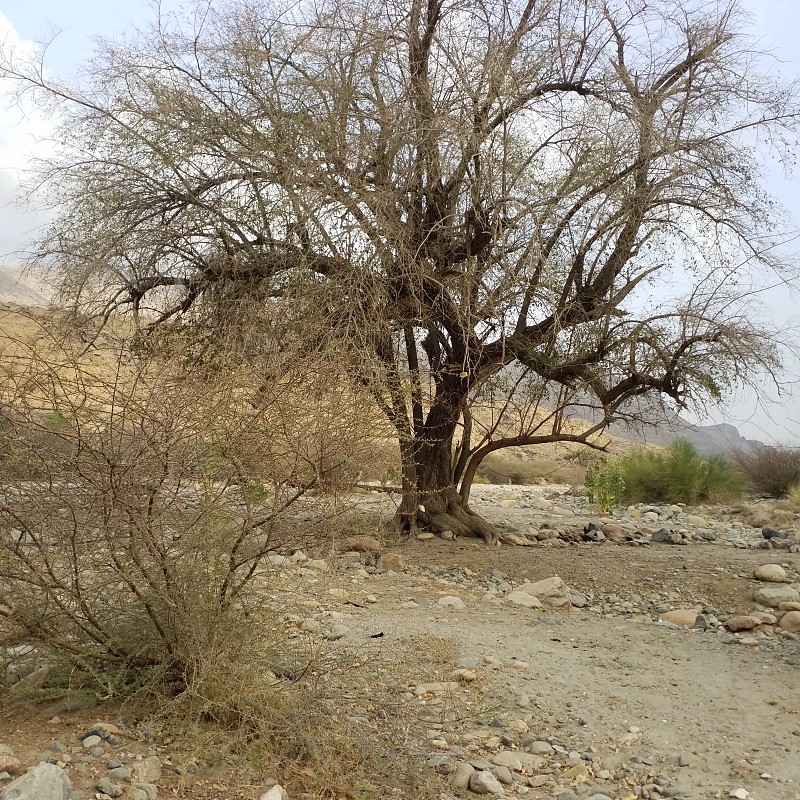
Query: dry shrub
[769,471]
[141,502]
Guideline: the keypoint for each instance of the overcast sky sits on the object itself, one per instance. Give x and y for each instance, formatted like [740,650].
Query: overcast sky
[776,23]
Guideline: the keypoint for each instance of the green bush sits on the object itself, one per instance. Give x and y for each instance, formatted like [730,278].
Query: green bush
[679,475]
[605,484]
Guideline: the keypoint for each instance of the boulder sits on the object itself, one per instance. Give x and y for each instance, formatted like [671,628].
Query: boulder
[551,591]
[43,782]
[771,573]
[773,596]
[682,617]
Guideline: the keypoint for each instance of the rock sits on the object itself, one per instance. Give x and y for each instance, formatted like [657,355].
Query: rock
[614,533]
[771,533]
[11,766]
[43,782]
[392,562]
[120,774]
[551,591]
[507,758]
[739,794]
[91,741]
[484,782]
[661,536]
[277,792]
[425,536]
[520,598]
[503,774]
[34,680]
[148,770]
[361,544]
[73,703]
[540,748]
[578,599]
[337,632]
[146,791]
[773,573]
[742,623]
[773,596]
[463,773]
[450,601]
[682,617]
[106,786]
[317,564]
[790,622]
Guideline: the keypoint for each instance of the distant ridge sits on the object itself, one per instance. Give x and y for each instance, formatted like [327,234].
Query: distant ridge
[18,290]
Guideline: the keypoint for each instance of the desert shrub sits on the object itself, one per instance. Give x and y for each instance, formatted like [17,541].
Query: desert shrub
[769,471]
[605,485]
[137,546]
[678,474]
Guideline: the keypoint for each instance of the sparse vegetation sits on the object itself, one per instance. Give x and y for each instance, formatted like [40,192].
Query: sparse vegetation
[605,485]
[679,474]
[769,471]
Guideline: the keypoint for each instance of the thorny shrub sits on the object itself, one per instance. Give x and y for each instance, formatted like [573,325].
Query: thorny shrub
[769,471]
[139,504]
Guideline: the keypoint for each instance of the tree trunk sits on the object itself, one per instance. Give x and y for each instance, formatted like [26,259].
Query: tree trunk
[432,502]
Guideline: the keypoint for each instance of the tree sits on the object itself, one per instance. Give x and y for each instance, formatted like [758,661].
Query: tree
[440,189]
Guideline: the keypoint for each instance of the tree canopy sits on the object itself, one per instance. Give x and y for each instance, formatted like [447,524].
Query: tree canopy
[442,190]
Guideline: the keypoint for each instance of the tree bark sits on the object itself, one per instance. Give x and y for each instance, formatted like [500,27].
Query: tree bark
[431,500]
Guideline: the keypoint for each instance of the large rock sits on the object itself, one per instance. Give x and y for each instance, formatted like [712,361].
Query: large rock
[773,596]
[771,573]
[682,617]
[523,599]
[44,782]
[551,591]
[790,622]
[742,623]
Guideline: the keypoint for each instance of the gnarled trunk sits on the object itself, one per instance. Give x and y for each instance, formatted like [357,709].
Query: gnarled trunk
[431,500]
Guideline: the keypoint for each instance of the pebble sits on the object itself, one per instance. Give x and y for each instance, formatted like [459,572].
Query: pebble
[742,623]
[337,632]
[106,786]
[682,617]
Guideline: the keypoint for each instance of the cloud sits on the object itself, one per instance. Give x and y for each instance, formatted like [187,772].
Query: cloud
[24,135]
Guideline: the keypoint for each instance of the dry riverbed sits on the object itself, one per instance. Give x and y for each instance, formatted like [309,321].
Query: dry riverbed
[595,688]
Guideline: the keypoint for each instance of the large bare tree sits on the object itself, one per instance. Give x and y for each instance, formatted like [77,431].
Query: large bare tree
[442,189]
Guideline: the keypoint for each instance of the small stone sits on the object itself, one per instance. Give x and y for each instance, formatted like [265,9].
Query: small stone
[484,782]
[105,786]
[437,687]
[771,533]
[661,536]
[739,794]
[426,536]
[392,562]
[148,791]
[742,623]
[276,792]
[682,617]
[463,773]
[540,748]
[550,591]
[120,774]
[362,544]
[524,599]
[790,622]
[507,758]
[503,774]
[337,632]
[773,573]
[11,765]
[450,601]
[91,741]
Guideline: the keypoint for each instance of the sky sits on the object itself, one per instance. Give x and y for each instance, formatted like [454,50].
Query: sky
[776,23]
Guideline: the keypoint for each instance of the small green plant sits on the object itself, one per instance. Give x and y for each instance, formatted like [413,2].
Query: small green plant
[605,485]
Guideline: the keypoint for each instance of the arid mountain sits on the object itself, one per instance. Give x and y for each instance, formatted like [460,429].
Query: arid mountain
[20,289]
